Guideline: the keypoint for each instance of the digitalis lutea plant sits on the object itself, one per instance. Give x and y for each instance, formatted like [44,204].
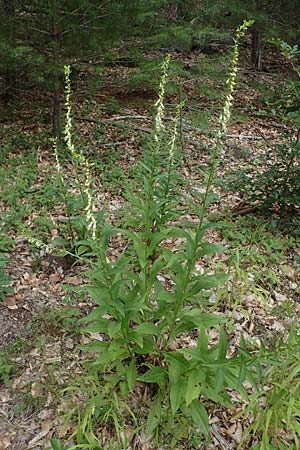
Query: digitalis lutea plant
[80,162]
[152,294]
[83,179]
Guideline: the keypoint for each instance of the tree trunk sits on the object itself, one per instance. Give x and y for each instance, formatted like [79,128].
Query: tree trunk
[56,79]
[9,73]
[257,49]
[257,38]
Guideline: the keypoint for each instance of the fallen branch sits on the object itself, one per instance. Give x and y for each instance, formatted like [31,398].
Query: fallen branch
[242,136]
[113,144]
[224,444]
[241,211]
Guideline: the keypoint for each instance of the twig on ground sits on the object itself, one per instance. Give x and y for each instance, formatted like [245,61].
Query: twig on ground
[242,136]
[113,144]
[224,444]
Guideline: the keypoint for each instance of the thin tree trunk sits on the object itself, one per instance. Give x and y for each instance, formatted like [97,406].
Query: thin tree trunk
[56,80]
[9,73]
[257,40]
[257,49]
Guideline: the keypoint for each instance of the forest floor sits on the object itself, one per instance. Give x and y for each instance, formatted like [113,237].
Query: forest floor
[41,360]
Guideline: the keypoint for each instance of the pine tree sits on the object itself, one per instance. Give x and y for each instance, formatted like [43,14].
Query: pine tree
[38,37]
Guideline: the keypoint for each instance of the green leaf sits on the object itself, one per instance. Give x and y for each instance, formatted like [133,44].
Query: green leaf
[193,388]
[96,313]
[156,239]
[157,267]
[95,347]
[201,319]
[154,417]
[242,376]
[147,328]
[136,337]
[131,375]
[176,394]
[113,355]
[140,247]
[99,326]
[177,382]
[100,294]
[208,249]
[148,346]
[56,444]
[219,378]
[217,397]
[154,375]
[199,416]
[201,282]
[202,341]
[113,328]
[223,343]
[177,360]
[135,201]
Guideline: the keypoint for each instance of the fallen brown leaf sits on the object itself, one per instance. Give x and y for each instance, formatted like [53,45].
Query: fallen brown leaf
[10,302]
[75,281]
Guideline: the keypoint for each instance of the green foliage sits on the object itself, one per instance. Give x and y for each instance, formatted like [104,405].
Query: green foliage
[276,406]
[6,244]
[185,37]
[177,37]
[23,170]
[5,279]
[6,367]
[57,445]
[112,105]
[147,77]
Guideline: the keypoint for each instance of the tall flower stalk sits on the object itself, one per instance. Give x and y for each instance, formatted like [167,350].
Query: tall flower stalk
[169,175]
[160,108]
[198,237]
[225,115]
[151,164]
[80,162]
